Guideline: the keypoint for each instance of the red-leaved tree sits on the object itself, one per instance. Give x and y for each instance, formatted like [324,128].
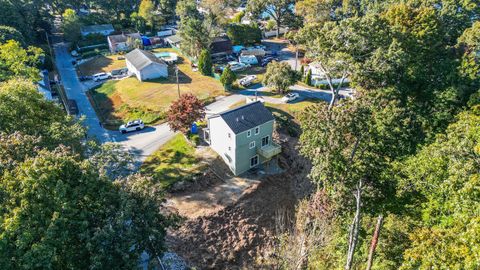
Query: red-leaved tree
[184,112]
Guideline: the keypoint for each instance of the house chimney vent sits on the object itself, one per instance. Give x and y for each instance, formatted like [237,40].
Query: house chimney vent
[243,118]
[237,119]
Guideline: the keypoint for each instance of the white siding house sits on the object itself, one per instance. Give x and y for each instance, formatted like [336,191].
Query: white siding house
[145,65]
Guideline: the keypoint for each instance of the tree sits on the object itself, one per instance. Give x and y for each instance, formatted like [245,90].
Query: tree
[52,221]
[279,76]
[308,78]
[71,25]
[205,63]
[138,22]
[244,34]
[23,109]
[184,112]
[278,10]
[146,11]
[7,33]
[443,179]
[18,62]
[228,77]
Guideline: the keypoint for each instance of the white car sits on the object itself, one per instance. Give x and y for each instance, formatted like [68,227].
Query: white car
[236,66]
[134,125]
[290,97]
[101,76]
[247,80]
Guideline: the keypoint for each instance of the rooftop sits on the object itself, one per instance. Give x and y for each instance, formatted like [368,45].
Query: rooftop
[246,117]
[140,59]
[123,37]
[97,28]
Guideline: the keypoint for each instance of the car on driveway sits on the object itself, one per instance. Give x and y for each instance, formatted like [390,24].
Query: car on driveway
[237,66]
[101,76]
[290,97]
[247,80]
[134,125]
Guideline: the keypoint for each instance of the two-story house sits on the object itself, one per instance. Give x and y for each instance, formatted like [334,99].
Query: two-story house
[242,136]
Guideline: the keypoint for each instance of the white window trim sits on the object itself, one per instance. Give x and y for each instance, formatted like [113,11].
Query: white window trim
[258,161]
[257,128]
[250,145]
[249,133]
[268,136]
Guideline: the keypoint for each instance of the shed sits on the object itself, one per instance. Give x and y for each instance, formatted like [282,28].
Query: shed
[248,59]
[174,40]
[145,65]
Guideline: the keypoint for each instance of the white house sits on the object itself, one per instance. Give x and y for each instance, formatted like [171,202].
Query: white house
[123,42]
[102,29]
[242,136]
[145,65]
[318,77]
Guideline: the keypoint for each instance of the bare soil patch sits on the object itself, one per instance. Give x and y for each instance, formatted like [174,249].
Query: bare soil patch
[240,235]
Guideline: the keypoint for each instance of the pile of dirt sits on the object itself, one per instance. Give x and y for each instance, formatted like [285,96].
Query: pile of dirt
[238,236]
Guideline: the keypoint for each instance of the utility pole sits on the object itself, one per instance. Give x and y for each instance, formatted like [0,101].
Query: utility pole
[296,57]
[178,85]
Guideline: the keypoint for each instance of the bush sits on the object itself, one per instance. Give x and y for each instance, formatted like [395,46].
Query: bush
[194,138]
[243,34]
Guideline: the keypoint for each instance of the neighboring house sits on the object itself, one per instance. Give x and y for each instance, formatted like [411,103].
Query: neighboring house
[242,136]
[221,46]
[174,41]
[102,29]
[43,85]
[145,65]
[318,77]
[123,42]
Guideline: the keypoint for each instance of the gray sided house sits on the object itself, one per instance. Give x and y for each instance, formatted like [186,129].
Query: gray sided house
[123,42]
[145,65]
[243,136]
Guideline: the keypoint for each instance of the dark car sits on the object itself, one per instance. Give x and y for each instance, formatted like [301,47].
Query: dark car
[72,107]
[85,78]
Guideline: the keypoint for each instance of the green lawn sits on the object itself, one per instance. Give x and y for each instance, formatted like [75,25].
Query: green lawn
[174,161]
[118,101]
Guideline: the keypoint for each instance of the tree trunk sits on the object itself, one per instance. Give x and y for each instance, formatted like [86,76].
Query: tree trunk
[354,228]
[374,242]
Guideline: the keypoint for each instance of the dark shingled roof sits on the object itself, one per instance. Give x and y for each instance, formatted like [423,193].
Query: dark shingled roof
[221,45]
[140,58]
[246,117]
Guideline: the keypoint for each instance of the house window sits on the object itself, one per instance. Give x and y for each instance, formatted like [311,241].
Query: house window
[257,130]
[254,161]
[251,145]
[249,133]
[265,141]
[229,148]
[229,135]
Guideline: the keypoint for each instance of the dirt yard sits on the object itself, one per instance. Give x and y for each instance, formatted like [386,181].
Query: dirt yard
[240,235]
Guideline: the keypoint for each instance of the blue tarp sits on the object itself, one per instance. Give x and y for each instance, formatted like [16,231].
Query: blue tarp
[146,41]
[237,48]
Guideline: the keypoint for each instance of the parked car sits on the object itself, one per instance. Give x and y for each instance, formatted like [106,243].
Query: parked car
[85,78]
[290,97]
[267,60]
[134,125]
[236,66]
[72,107]
[247,80]
[101,76]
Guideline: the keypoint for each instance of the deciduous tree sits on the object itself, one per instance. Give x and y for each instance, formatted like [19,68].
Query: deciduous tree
[16,61]
[184,112]
[279,76]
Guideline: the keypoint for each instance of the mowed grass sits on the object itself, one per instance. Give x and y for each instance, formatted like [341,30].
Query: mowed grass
[118,101]
[101,64]
[174,161]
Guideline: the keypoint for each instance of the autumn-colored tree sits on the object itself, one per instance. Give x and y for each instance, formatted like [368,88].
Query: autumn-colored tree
[184,112]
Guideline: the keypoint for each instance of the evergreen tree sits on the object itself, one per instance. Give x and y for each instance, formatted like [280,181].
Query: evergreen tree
[205,63]
[308,78]
[228,77]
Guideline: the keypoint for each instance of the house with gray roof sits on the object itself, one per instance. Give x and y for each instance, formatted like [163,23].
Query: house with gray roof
[242,136]
[102,29]
[123,42]
[145,65]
